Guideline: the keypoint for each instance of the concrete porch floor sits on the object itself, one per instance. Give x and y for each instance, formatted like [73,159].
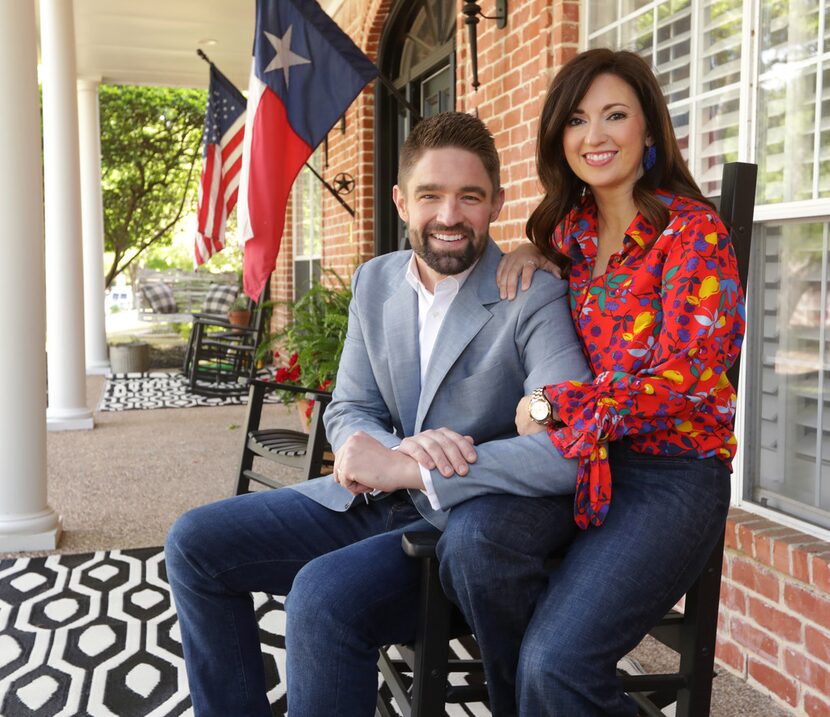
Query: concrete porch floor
[123,484]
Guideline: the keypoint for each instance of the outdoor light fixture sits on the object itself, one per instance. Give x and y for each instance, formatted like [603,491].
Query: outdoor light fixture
[473,11]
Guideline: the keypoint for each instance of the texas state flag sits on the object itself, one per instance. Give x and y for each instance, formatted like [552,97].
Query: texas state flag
[305,74]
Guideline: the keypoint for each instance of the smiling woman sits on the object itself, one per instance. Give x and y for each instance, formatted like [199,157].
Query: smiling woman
[604,138]
[656,302]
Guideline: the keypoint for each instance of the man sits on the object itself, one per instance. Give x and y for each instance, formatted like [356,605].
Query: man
[422,427]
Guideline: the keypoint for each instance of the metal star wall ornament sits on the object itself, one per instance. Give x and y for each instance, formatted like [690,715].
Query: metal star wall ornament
[284,58]
[343,183]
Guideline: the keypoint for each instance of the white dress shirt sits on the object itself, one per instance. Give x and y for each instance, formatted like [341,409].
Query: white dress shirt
[432,308]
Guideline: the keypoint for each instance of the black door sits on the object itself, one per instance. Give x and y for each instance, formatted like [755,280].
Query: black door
[417,53]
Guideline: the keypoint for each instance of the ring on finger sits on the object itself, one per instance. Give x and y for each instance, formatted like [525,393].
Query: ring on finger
[532,263]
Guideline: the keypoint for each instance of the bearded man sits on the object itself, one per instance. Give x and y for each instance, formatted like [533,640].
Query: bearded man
[422,425]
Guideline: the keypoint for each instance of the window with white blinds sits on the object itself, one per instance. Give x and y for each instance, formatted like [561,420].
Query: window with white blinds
[792,470]
[790,78]
[699,51]
[307,227]
[702,93]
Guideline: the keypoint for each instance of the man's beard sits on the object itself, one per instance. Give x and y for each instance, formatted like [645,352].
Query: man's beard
[445,262]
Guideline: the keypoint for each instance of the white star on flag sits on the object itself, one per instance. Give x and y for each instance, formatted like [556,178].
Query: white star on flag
[284,58]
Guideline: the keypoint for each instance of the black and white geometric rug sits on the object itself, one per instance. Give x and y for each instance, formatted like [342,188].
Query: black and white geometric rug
[132,391]
[96,635]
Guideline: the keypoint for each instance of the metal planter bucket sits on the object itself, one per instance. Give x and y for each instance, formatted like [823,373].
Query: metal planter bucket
[130,358]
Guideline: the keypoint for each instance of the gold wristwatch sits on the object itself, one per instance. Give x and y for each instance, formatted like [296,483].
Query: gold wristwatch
[539,408]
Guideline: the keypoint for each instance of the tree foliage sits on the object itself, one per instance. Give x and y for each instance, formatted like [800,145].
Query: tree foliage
[150,152]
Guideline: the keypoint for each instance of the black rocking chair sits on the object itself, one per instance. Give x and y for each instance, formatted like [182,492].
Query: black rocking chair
[310,453]
[221,357]
[417,682]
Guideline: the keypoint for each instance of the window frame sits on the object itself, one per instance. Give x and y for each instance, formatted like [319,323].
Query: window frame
[389,116]
[297,200]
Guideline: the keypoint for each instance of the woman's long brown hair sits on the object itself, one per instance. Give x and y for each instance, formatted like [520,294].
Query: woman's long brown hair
[563,189]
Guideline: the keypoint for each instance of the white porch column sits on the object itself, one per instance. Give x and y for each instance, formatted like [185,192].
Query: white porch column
[92,221]
[64,268]
[26,521]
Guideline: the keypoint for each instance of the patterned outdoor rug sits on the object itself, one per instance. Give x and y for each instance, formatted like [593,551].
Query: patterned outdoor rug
[131,392]
[96,635]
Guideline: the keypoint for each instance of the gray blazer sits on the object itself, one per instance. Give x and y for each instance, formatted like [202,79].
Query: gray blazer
[488,354]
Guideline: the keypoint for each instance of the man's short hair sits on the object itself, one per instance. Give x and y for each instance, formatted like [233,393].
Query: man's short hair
[450,129]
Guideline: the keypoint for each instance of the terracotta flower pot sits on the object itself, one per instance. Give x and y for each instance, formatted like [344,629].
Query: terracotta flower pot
[304,413]
[239,318]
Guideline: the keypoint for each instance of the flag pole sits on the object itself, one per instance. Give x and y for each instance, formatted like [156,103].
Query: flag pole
[333,191]
[201,54]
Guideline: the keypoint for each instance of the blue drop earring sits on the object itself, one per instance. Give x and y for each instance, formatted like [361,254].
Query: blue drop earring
[650,157]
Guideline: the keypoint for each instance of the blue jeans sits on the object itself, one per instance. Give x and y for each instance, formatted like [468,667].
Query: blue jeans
[618,580]
[491,563]
[352,590]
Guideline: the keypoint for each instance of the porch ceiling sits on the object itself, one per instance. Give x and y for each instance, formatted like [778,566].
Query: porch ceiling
[154,42]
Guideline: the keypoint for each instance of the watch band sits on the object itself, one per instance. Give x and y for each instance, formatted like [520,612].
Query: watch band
[538,397]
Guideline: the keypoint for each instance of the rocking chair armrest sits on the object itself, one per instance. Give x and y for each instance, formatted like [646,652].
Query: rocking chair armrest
[209,318]
[323,396]
[420,543]
[213,320]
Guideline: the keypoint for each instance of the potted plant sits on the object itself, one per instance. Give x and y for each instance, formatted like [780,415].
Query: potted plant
[312,340]
[239,313]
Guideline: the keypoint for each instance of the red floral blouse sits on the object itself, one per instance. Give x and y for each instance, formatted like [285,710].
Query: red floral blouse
[659,327]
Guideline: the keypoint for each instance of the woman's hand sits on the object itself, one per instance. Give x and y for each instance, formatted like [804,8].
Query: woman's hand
[525,425]
[522,262]
[441,448]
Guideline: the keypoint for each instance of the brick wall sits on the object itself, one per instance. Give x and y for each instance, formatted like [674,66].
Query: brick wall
[774,628]
[515,66]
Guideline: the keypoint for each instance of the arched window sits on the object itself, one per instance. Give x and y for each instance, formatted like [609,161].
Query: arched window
[417,53]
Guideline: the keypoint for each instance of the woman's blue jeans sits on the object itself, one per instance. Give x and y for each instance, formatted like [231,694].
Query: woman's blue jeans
[617,580]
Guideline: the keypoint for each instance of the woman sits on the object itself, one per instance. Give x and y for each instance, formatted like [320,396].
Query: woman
[657,303]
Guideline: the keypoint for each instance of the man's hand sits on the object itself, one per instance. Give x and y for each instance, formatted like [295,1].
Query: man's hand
[525,425]
[441,448]
[363,464]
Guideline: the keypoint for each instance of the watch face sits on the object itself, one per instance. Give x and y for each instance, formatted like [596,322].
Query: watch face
[539,410]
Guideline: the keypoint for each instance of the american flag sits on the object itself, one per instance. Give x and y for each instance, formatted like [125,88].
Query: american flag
[221,162]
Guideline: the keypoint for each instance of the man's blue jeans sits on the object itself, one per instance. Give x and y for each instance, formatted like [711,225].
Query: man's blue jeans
[351,586]
[352,590]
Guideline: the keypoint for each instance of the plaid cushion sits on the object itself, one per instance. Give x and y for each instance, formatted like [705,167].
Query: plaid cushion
[160,297]
[219,298]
